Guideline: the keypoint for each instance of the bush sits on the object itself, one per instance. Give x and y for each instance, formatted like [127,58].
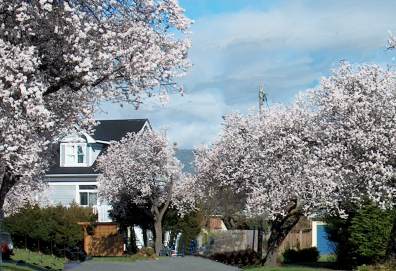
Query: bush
[370,232]
[379,267]
[237,258]
[147,252]
[362,237]
[50,230]
[306,255]
[189,226]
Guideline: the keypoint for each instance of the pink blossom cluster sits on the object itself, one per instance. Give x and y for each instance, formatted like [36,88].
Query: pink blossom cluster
[59,59]
[335,146]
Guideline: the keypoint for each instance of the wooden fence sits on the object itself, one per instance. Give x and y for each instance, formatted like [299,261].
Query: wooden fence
[103,239]
[297,239]
[300,237]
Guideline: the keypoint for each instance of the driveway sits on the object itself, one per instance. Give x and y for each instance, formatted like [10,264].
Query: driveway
[163,264]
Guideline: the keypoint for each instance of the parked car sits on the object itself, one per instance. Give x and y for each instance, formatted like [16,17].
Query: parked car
[6,245]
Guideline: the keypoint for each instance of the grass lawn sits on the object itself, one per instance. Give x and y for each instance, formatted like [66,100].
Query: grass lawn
[331,258]
[13,267]
[38,260]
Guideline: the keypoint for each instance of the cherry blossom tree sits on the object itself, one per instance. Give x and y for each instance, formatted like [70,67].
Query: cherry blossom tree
[356,134]
[59,59]
[271,157]
[144,167]
[356,128]
[334,148]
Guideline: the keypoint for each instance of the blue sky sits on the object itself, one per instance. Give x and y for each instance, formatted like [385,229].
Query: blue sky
[287,45]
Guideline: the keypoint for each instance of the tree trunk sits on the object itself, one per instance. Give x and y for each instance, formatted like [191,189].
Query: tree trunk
[9,179]
[271,258]
[172,238]
[158,236]
[260,242]
[391,250]
[280,228]
[158,213]
[144,232]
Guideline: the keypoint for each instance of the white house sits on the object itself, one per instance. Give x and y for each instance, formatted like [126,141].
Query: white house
[73,177]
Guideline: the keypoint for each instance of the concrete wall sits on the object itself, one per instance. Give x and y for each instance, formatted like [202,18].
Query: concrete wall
[231,240]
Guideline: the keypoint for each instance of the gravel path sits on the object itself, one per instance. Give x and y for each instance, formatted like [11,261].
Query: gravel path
[163,264]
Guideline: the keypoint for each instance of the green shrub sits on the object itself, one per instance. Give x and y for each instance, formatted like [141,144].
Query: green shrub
[189,226]
[147,252]
[238,258]
[306,255]
[377,267]
[362,237]
[50,229]
[370,231]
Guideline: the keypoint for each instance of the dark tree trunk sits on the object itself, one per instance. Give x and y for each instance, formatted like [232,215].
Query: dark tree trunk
[9,179]
[280,228]
[229,222]
[144,231]
[391,250]
[172,238]
[260,242]
[132,247]
[158,236]
[158,213]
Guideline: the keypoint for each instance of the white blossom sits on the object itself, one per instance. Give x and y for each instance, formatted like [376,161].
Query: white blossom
[59,59]
[143,166]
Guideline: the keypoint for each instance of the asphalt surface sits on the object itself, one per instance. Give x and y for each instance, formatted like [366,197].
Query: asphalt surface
[163,264]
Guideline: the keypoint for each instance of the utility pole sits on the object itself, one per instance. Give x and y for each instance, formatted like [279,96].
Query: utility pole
[262,98]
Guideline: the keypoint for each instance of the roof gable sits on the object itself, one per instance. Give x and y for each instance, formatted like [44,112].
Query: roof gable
[109,130]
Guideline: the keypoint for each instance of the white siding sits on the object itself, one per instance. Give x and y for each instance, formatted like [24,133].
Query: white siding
[61,194]
[62,155]
[103,212]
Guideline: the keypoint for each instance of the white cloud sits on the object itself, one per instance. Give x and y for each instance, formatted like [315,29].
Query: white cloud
[288,47]
[188,120]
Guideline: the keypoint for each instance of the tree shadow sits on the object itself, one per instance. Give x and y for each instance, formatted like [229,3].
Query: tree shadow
[29,265]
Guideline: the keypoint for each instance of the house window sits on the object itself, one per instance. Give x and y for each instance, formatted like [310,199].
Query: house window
[70,154]
[80,154]
[75,154]
[88,198]
[88,187]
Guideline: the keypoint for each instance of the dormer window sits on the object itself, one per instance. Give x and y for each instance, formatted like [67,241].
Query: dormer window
[80,155]
[74,154]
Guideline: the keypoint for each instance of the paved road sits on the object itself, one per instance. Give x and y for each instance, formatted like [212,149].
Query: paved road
[163,264]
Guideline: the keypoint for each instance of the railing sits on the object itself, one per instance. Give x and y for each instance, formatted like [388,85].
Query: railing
[102,211]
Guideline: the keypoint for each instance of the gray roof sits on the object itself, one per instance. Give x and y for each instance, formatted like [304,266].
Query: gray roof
[107,130]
